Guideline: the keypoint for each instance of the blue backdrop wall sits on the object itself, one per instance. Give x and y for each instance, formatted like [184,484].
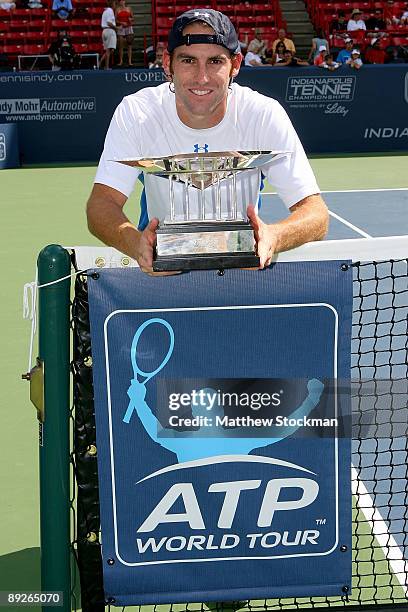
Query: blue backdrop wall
[63,116]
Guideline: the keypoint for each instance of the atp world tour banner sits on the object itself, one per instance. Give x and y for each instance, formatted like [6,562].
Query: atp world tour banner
[223,452]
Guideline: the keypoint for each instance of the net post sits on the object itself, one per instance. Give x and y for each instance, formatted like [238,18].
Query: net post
[54,350]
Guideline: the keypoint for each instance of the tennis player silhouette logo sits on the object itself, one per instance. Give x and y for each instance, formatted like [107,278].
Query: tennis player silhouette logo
[192,445]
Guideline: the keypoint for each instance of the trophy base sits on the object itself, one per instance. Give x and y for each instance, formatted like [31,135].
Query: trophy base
[205,246]
[209,261]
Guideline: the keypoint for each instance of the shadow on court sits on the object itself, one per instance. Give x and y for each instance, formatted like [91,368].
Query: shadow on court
[20,570]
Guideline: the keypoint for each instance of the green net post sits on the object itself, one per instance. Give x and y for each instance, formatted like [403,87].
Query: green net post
[54,352]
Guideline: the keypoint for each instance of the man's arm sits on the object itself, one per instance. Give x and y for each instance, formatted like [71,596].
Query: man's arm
[308,220]
[108,222]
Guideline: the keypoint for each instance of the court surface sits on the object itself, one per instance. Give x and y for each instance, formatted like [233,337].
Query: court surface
[46,205]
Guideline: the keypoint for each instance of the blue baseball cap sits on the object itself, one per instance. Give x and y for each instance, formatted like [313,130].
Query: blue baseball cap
[224,31]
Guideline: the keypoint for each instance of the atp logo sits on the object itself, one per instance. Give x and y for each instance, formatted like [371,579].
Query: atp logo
[197,148]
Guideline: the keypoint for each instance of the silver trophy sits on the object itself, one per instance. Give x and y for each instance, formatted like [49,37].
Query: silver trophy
[201,200]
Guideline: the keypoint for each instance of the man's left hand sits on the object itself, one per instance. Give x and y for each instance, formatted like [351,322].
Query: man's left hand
[265,237]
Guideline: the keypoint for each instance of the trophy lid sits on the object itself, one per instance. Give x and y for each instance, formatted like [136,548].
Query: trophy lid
[215,162]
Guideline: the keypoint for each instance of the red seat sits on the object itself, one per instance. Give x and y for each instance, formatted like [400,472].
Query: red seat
[165,11]
[37,24]
[242,9]
[31,37]
[79,23]
[95,47]
[19,24]
[247,21]
[164,23]
[396,41]
[259,9]
[34,49]
[13,49]
[264,20]
[21,13]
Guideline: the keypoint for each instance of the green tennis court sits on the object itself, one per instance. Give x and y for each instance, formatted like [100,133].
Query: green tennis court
[46,205]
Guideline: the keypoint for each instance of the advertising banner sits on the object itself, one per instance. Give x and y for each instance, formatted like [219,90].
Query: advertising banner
[222,432]
[332,112]
[9,152]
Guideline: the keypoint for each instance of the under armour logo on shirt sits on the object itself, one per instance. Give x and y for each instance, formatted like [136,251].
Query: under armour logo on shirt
[197,148]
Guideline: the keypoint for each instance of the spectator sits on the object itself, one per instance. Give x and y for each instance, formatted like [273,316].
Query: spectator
[404,16]
[345,53]
[62,9]
[258,38]
[356,22]
[391,13]
[329,63]
[124,21]
[7,6]
[376,21]
[289,44]
[320,57]
[61,53]
[279,55]
[109,40]
[317,42]
[158,60]
[339,24]
[394,57]
[291,60]
[375,55]
[252,57]
[354,60]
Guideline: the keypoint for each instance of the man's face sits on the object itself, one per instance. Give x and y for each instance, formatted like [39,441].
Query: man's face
[349,45]
[281,34]
[201,75]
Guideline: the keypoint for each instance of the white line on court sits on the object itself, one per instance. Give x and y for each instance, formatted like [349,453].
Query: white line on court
[350,225]
[389,546]
[365,190]
[350,190]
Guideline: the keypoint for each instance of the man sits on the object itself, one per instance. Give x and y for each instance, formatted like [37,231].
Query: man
[345,53]
[374,54]
[200,109]
[61,53]
[291,60]
[109,39]
[376,21]
[288,42]
[62,9]
[338,25]
[356,22]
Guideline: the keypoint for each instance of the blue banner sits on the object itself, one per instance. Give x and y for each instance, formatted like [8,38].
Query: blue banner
[9,152]
[223,452]
[69,112]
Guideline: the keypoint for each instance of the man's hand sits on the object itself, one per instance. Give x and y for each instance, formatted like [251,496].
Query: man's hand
[147,242]
[265,238]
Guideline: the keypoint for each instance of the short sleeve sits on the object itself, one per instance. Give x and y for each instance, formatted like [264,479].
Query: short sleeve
[292,175]
[122,142]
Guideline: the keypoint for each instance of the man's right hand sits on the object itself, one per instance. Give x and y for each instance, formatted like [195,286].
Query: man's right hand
[147,242]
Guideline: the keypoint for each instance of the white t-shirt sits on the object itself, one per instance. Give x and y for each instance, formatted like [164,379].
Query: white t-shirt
[252,56]
[146,125]
[108,16]
[353,25]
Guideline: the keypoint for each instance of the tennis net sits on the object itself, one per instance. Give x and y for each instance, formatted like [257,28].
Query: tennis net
[380,423]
